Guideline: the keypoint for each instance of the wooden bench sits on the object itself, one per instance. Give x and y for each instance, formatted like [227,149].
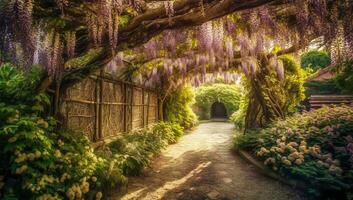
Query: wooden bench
[317,101]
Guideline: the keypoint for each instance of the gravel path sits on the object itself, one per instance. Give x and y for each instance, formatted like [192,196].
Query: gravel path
[202,166]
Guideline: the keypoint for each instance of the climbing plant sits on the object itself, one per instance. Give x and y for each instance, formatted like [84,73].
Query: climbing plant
[274,95]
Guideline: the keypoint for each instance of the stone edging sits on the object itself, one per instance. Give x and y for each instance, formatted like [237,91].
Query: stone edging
[267,172]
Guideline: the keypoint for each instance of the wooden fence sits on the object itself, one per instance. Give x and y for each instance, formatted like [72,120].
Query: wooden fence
[102,107]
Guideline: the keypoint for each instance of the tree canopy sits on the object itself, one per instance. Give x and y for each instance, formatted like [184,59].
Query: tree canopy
[165,44]
[73,38]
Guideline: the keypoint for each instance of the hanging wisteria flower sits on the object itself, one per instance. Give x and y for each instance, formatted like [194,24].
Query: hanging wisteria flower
[205,36]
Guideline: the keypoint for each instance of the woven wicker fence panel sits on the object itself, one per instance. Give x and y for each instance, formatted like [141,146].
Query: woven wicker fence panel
[78,108]
[153,109]
[85,90]
[100,108]
[137,108]
[113,109]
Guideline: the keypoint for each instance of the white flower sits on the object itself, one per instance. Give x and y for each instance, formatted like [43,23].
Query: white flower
[99,195]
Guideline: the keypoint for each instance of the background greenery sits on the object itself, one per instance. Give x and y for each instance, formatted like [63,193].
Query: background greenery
[315,60]
[344,78]
[178,107]
[206,95]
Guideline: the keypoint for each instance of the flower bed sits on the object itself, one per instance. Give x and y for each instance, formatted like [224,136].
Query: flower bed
[314,147]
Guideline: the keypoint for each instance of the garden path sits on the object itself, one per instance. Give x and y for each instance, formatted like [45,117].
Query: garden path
[203,166]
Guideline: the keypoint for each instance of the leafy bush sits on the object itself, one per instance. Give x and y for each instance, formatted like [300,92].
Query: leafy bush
[206,95]
[238,117]
[315,147]
[344,79]
[178,107]
[133,151]
[321,87]
[315,60]
[37,162]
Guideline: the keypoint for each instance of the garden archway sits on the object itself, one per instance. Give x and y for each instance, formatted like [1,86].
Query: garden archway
[218,110]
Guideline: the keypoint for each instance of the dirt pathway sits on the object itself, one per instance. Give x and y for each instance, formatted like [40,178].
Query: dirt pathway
[202,166]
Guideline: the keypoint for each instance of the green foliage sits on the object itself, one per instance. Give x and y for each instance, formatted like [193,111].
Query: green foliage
[314,147]
[293,87]
[344,79]
[321,87]
[206,95]
[315,60]
[133,151]
[38,162]
[178,107]
[85,59]
[238,117]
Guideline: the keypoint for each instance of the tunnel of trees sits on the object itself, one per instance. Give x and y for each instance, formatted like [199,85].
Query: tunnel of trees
[151,51]
[218,110]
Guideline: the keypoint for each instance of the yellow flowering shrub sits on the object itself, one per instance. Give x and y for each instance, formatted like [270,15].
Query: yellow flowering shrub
[37,161]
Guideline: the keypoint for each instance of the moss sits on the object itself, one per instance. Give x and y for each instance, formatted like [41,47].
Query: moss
[124,20]
[85,59]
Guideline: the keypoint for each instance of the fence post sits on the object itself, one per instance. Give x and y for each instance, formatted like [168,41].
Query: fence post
[131,107]
[96,112]
[148,106]
[100,106]
[143,107]
[124,107]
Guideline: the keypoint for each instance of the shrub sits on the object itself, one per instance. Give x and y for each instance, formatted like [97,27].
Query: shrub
[206,95]
[178,107]
[38,162]
[323,87]
[315,60]
[344,79]
[238,117]
[315,147]
[134,150]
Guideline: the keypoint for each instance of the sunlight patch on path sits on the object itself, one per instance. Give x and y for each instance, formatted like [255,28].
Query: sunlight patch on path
[203,166]
[167,186]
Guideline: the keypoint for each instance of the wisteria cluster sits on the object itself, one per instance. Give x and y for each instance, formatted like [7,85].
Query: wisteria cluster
[234,41]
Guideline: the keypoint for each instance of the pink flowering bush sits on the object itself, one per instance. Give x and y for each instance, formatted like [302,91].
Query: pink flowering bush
[314,147]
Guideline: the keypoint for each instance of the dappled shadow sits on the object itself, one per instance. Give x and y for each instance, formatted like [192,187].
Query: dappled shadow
[157,182]
[203,166]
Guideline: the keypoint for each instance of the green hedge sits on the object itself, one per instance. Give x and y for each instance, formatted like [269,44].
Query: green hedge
[344,78]
[315,60]
[324,87]
[206,95]
[315,147]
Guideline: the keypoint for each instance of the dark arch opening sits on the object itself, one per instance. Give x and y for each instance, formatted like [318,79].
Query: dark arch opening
[218,110]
